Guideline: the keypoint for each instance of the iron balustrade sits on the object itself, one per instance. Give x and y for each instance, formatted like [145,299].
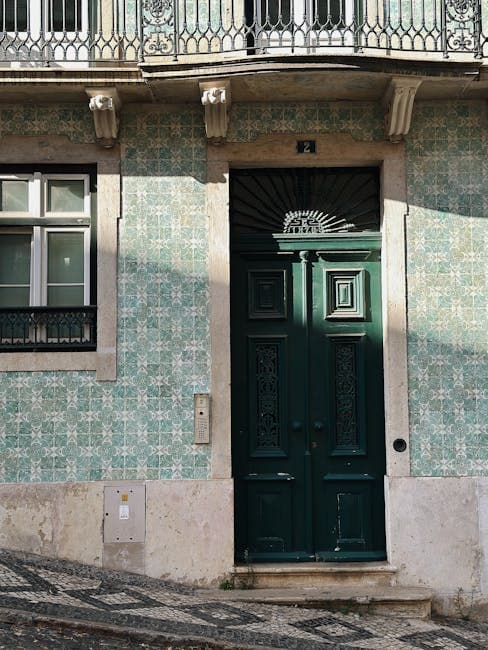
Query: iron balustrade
[74,32]
[47,328]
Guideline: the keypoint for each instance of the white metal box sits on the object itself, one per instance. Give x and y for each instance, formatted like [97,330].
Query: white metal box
[124,513]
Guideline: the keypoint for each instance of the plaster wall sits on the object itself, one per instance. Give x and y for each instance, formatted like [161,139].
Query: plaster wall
[483,525]
[188,529]
[61,520]
[437,537]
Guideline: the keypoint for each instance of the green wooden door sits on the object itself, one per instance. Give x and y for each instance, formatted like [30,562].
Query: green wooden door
[307,403]
[307,397]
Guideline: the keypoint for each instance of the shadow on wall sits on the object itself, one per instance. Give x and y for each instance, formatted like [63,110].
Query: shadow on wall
[66,426]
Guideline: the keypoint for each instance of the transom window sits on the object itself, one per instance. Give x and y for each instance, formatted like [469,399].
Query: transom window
[47,260]
[305,201]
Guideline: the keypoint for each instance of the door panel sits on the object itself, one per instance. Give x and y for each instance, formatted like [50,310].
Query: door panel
[270,513]
[346,368]
[267,408]
[307,402]
[347,502]
[346,372]
[268,383]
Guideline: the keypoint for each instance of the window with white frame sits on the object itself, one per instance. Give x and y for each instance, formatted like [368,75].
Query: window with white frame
[47,259]
[56,30]
[48,15]
[304,23]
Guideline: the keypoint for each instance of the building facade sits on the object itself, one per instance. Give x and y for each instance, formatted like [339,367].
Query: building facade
[274,221]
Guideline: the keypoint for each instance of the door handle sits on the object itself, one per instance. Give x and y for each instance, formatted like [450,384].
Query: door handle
[318,426]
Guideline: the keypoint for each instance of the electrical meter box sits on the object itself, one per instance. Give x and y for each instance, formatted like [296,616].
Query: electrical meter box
[124,513]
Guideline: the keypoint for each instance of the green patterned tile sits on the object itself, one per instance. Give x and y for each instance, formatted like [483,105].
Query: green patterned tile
[140,426]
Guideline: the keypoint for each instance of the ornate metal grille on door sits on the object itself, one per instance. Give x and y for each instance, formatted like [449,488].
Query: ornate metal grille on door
[305,201]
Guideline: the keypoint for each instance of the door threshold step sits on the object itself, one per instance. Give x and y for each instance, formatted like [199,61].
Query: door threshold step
[316,574]
[403,602]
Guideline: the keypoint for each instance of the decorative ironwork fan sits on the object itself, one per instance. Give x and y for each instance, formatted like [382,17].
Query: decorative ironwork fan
[305,200]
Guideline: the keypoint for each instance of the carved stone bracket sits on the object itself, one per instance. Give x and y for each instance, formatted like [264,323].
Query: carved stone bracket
[216,100]
[105,104]
[398,102]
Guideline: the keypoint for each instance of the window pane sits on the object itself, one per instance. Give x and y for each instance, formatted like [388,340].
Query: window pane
[13,15]
[15,254]
[330,12]
[14,296]
[65,296]
[14,195]
[65,257]
[275,13]
[65,195]
[65,16]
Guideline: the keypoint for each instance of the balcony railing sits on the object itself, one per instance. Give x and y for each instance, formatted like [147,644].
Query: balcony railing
[76,32]
[38,329]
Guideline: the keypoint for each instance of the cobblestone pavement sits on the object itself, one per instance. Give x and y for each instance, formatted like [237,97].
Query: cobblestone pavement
[22,637]
[140,610]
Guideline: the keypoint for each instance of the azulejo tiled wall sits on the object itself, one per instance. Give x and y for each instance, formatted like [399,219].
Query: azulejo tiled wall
[447,248]
[73,121]
[66,426]
[58,426]
[363,120]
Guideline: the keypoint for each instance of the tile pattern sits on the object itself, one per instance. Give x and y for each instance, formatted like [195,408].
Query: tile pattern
[364,121]
[76,122]
[85,594]
[65,426]
[447,250]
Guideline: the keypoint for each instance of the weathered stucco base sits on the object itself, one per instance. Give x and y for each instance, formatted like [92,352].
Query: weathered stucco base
[437,532]
[191,537]
[61,520]
[189,527]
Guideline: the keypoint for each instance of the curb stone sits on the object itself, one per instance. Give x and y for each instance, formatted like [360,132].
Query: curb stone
[167,641]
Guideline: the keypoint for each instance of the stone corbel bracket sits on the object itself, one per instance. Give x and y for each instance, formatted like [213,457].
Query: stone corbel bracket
[398,102]
[105,105]
[216,100]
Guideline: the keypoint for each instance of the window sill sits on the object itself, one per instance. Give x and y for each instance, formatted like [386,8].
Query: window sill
[103,363]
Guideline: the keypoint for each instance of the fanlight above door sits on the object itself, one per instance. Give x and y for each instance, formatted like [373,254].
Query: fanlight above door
[305,201]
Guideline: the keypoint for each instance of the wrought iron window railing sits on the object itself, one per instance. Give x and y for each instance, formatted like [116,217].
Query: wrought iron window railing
[34,329]
[74,32]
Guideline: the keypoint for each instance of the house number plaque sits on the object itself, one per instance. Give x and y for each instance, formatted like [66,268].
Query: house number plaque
[202,418]
[305,146]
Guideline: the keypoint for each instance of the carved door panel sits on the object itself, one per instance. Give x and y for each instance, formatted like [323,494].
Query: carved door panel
[346,415]
[308,439]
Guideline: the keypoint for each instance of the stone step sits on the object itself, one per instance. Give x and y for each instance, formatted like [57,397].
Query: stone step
[402,602]
[315,574]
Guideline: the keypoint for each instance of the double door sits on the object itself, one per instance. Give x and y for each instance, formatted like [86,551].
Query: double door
[307,400]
